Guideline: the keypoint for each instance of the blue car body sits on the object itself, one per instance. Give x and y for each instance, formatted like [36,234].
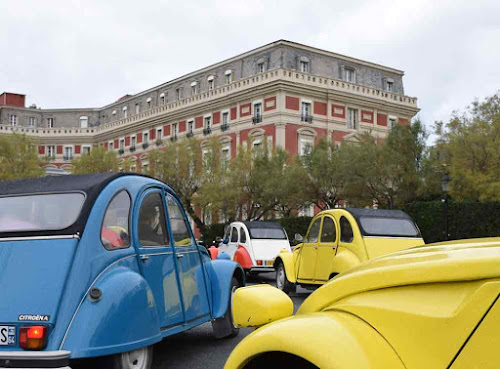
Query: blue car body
[99,301]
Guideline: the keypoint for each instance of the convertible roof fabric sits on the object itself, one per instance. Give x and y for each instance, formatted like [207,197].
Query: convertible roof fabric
[379,213]
[262,224]
[90,184]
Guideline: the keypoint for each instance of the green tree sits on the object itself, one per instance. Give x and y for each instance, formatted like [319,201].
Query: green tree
[19,158]
[98,161]
[469,147]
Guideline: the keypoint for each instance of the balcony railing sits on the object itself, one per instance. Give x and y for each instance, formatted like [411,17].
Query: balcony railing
[257,119]
[190,134]
[145,145]
[306,118]
[207,131]
[224,127]
[50,158]
[132,148]
[68,157]
[158,142]
[173,138]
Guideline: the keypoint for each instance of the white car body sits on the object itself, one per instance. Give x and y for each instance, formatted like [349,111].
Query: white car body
[262,251]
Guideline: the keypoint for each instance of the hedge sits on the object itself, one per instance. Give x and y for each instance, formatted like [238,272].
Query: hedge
[465,219]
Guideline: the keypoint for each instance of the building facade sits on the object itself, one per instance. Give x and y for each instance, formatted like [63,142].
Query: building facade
[290,95]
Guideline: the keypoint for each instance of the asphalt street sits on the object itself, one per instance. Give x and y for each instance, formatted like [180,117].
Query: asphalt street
[198,349]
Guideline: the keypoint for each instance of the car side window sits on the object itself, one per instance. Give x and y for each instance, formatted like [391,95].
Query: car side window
[313,234]
[115,226]
[234,235]
[346,234]
[152,229]
[328,233]
[180,228]
[243,236]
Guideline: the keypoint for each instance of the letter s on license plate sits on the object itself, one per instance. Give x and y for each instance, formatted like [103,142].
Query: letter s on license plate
[7,335]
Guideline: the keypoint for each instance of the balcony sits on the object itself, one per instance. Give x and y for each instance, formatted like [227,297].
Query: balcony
[257,119]
[132,148]
[306,118]
[173,138]
[190,134]
[121,151]
[158,142]
[224,127]
[207,131]
[145,145]
[68,157]
[50,157]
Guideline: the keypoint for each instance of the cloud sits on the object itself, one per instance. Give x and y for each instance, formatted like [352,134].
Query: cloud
[89,53]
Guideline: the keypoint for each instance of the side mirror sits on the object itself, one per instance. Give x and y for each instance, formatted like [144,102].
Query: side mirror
[226,241]
[298,237]
[257,305]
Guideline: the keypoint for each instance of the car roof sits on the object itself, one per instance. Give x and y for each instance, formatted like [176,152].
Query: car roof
[262,224]
[90,184]
[379,213]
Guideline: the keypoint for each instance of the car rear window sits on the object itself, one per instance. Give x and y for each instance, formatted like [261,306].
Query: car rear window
[47,212]
[268,233]
[390,227]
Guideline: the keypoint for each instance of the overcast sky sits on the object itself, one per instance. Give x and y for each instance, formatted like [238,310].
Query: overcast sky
[70,53]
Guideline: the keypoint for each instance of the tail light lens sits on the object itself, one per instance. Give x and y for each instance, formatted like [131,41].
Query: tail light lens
[259,262]
[33,337]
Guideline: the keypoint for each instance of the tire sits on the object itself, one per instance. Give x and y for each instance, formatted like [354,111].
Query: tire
[224,327]
[137,359]
[281,280]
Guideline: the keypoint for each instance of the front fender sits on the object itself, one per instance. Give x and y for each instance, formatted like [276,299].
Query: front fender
[221,273]
[287,259]
[333,340]
[125,318]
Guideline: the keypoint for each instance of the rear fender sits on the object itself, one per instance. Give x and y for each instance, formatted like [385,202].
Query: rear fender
[242,257]
[221,273]
[287,259]
[124,318]
[333,340]
[344,260]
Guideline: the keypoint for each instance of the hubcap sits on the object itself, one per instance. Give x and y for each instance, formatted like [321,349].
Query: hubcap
[280,277]
[136,359]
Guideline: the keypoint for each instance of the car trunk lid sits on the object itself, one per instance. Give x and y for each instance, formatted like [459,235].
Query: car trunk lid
[268,249]
[379,246]
[33,274]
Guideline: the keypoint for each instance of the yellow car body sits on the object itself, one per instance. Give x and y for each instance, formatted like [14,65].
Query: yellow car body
[432,307]
[336,241]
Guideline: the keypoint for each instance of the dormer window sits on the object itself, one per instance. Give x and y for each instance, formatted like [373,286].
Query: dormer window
[178,93]
[304,64]
[194,88]
[389,84]
[228,76]
[148,103]
[211,83]
[84,121]
[137,108]
[261,65]
[125,112]
[162,98]
[350,75]
[113,113]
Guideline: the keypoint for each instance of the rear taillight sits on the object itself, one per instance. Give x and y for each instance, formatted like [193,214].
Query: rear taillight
[259,262]
[33,337]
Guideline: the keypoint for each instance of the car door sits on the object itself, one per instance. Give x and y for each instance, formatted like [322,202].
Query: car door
[232,245]
[309,252]
[192,280]
[156,258]
[327,248]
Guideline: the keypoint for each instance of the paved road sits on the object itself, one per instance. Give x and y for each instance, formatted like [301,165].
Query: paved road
[198,349]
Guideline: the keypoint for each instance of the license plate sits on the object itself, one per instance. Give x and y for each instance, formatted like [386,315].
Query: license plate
[7,335]
[269,262]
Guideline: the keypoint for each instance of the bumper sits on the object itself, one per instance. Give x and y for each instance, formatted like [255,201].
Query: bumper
[34,359]
[262,268]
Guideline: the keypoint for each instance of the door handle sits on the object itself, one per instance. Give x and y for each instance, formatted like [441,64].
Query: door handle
[179,256]
[144,258]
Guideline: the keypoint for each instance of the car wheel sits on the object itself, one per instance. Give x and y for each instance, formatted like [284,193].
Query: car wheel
[224,327]
[137,359]
[281,280]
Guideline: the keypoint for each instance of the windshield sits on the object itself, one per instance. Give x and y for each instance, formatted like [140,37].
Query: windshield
[268,233]
[392,227]
[46,212]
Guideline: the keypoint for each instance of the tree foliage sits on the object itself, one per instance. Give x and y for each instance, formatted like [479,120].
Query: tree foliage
[19,158]
[98,161]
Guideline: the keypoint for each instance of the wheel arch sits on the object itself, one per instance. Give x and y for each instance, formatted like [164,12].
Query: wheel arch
[286,258]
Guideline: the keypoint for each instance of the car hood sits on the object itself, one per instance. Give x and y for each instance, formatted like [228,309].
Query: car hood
[463,260]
